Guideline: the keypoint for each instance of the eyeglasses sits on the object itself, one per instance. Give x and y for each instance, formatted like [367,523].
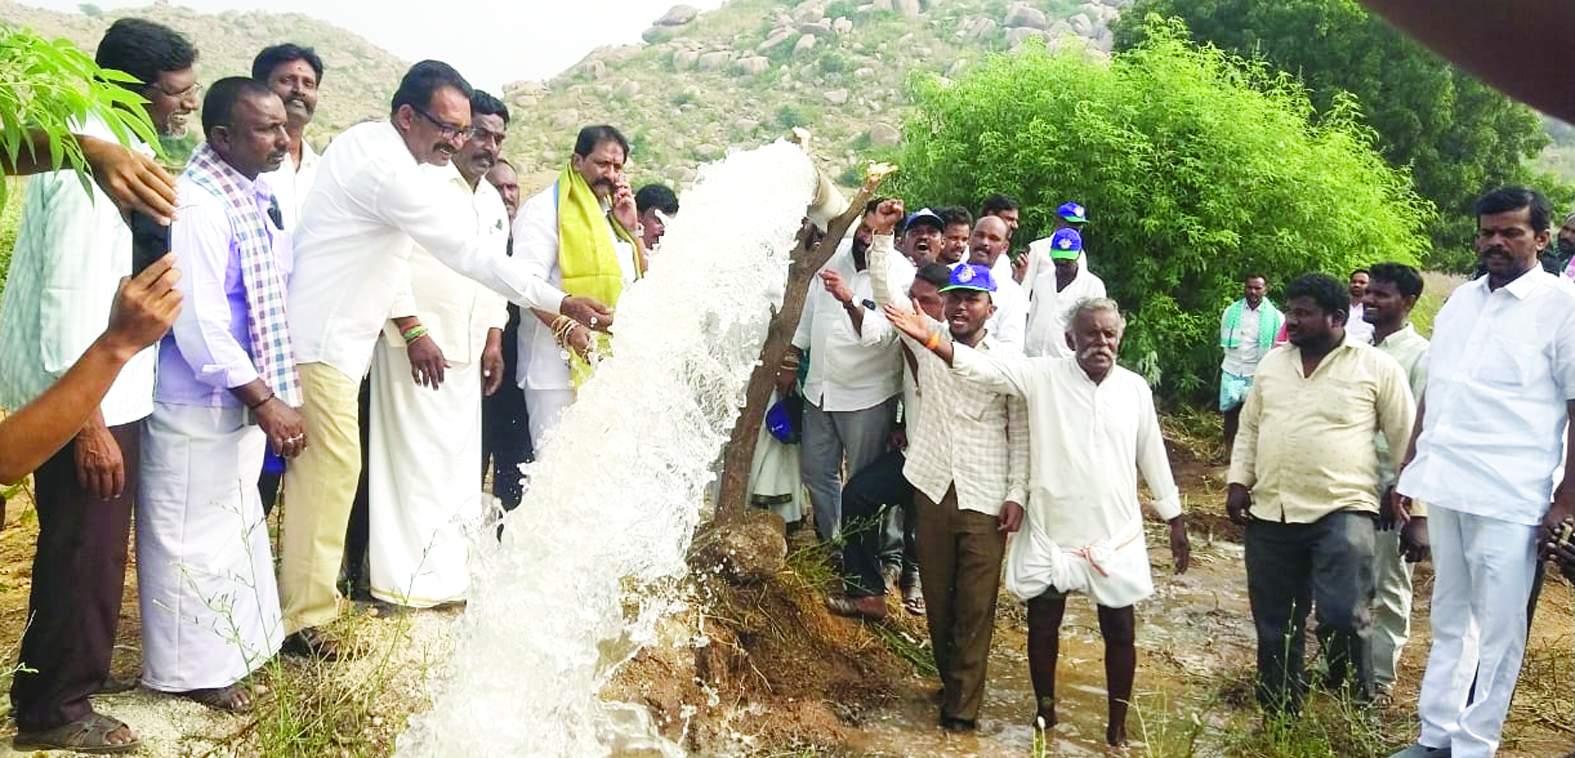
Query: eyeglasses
[193,91]
[446,131]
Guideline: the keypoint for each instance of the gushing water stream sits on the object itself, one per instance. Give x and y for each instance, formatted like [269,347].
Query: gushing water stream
[582,573]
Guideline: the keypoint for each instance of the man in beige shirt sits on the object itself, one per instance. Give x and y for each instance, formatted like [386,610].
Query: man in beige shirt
[1304,481]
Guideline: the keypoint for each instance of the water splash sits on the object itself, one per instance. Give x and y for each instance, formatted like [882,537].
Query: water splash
[577,585]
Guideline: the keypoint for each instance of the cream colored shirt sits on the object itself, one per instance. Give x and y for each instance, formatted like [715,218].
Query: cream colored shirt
[1305,447]
[1409,348]
[456,310]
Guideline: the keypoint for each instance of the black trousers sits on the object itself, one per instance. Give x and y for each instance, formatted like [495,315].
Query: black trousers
[867,501]
[1326,565]
[79,573]
[505,425]
[353,572]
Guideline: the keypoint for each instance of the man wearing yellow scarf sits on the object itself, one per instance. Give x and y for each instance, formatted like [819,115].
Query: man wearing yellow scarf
[580,234]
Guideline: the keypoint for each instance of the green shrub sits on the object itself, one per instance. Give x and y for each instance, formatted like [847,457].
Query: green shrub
[790,115]
[1195,167]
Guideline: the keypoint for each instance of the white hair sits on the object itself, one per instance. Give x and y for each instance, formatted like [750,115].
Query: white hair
[1096,305]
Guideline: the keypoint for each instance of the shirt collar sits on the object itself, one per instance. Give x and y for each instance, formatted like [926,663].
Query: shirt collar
[1526,283]
[1403,334]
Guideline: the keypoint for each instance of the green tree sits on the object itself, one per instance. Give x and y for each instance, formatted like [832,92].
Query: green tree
[1457,136]
[45,87]
[1196,166]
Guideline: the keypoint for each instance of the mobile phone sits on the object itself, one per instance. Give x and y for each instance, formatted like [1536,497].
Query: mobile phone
[1017,256]
[150,240]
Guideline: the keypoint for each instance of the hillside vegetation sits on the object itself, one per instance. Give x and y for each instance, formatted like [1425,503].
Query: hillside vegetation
[703,82]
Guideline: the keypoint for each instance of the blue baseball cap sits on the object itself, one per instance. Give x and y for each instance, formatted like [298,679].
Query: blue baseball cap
[971,276]
[1072,213]
[924,216]
[1065,245]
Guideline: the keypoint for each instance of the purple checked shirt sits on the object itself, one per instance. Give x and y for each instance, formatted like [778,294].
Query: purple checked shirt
[209,350]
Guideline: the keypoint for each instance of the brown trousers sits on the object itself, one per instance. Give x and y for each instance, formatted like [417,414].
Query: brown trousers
[960,565]
[79,573]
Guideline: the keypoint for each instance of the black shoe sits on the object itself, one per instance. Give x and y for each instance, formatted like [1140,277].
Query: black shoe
[952,724]
[311,643]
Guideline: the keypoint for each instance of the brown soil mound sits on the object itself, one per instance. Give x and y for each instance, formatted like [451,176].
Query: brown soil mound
[764,663]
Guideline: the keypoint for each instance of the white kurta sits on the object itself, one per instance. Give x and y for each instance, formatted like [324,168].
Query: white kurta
[424,458]
[205,579]
[1087,442]
[1050,311]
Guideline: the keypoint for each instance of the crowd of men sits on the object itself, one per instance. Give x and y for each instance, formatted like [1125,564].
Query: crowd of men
[365,334]
[343,320]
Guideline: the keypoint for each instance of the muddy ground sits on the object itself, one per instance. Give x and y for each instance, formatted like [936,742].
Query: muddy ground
[780,676]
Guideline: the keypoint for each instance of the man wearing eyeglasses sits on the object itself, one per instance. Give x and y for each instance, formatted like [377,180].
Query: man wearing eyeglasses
[423,486]
[71,253]
[374,200]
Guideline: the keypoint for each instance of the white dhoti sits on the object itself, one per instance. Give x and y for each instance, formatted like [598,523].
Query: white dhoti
[545,408]
[774,479]
[205,577]
[1115,572]
[423,481]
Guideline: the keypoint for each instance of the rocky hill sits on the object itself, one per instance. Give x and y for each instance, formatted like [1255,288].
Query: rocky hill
[701,83]
[751,69]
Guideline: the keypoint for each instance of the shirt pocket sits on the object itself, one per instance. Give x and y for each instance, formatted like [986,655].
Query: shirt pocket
[1506,362]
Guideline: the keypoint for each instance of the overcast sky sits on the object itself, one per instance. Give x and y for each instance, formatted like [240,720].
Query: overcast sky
[525,39]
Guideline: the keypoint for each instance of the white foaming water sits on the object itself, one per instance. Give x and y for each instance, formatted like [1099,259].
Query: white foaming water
[587,561]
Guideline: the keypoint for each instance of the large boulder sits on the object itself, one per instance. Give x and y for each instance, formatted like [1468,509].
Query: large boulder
[777,38]
[1022,15]
[715,60]
[678,15]
[628,89]
[843,25]
[754,64]
[909,8]
[837,97]
[1017,36]
[812,10]
[979,28]
[595,69]
[804,44]
[821,28]
[884,135]
[683,60]
[1081,24]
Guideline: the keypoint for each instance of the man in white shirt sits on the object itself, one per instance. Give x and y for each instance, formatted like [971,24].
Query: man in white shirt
[293,73]
[1070,215]
[71,252]
[579,234]
[423,489]
[1392,291]
[371,204]
[987,247]
[1489,445]
[1092,428]
[968,462]
[1248,328]
[855,374]
[1355,324]
[1056,294]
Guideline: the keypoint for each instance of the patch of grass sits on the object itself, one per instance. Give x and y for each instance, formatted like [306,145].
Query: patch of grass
[1436,286]
[10,222]
[1199,430]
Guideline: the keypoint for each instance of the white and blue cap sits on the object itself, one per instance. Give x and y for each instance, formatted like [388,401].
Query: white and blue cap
[1072,213]
[971,276]
[1065,245]
[924,216]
